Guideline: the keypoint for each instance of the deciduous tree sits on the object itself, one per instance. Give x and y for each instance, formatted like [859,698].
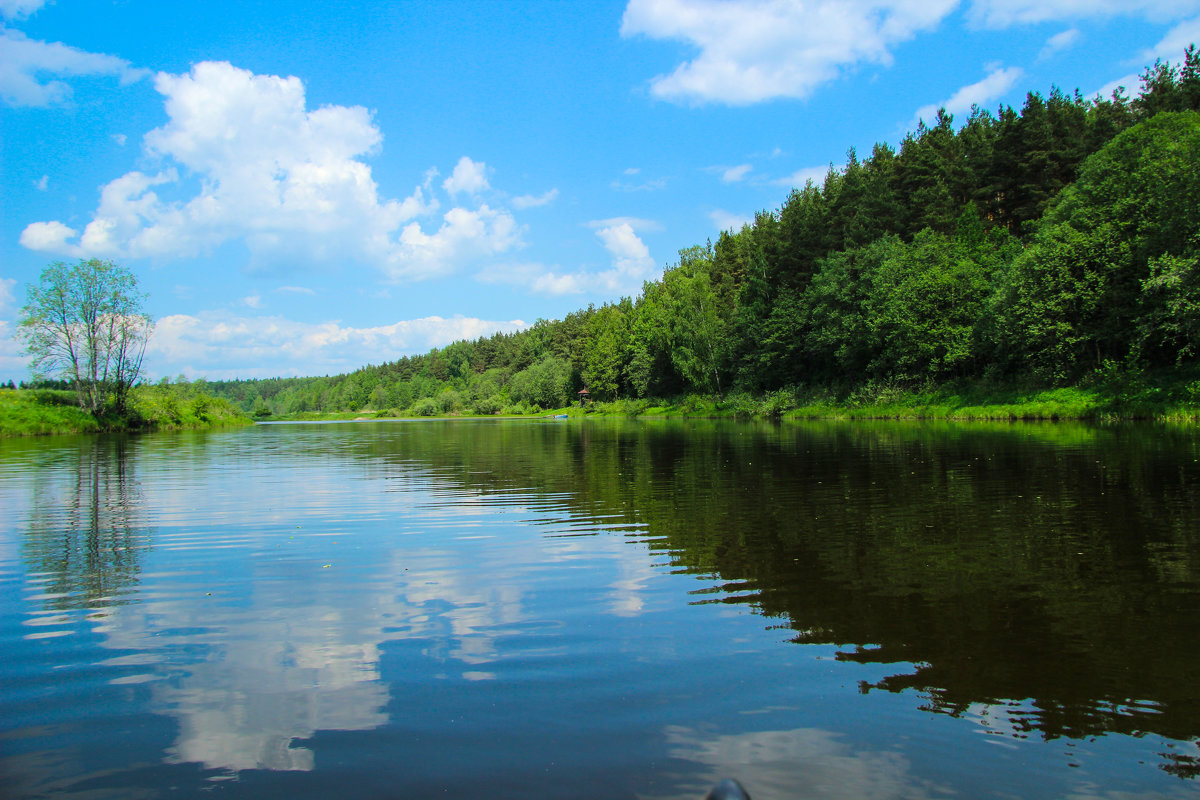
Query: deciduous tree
[84,323]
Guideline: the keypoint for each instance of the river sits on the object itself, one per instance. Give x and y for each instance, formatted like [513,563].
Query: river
[602,609]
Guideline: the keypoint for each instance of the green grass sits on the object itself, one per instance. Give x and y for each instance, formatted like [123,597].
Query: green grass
[1171,396]
[965,403]
[42,412]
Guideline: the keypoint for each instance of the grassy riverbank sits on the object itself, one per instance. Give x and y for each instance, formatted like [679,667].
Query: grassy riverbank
[39,412]
[1169,396]
[945,404]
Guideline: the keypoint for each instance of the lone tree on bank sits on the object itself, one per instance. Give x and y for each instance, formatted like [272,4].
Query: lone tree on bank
[84,323]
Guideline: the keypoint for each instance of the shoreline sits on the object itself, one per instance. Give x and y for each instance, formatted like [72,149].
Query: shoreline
[48,412]
[42,412]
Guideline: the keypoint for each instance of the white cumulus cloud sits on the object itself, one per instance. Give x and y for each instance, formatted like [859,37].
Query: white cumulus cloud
[227,345]
[30,69]
[469,177]
[464,235]
[289,182]
[630,266]
[629,252]
[756,50]
[48,236]
[750,51]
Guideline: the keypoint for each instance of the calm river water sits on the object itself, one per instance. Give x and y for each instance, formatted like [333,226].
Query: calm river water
[602,609]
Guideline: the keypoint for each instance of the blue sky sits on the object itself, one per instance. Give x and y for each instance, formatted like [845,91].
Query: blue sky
[307,187]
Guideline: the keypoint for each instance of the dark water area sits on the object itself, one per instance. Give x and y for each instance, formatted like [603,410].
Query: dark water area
[602,609]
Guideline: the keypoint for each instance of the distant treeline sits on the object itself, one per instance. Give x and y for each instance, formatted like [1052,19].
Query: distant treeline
[1042,246]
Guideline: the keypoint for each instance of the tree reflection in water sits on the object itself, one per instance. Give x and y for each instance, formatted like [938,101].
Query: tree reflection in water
[1044,577]
[347,595]
[85,538]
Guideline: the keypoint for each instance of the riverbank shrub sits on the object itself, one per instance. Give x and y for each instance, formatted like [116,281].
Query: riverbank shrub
[43,411]
[485,406]
[172,408]
[425,407]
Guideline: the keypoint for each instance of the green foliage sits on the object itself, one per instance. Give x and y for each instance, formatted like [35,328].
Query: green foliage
[607,350]
[486,406]
[448,401]
[1028,247]
[701,344]
[1085,290]
[547,384]
[84,323]
[181,407]
[39,412]
[837,331]
[425,407]
[1169,322]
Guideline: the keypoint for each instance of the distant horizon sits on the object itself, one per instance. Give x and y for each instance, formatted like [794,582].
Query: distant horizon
[308,190]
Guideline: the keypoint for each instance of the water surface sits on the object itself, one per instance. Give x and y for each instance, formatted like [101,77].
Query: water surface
[608,609]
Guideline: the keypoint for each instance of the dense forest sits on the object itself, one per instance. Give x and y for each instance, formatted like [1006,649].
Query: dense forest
[1040,247]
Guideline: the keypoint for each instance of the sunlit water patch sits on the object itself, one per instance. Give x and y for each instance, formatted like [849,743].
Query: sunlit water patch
[602,609]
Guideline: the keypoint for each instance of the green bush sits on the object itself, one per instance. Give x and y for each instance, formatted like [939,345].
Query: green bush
[488,405]
[425,407]
[448,401]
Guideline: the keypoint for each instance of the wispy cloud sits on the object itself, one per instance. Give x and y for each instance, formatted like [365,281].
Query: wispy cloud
[1169,48]
[726,221]
[995,85]
[30,70]
[12,359]
[533,201]
[735,174]
[643,186]
[1005,13]
[1059,42]
[803,176]
[636,223]
[6,294]
[19,9]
